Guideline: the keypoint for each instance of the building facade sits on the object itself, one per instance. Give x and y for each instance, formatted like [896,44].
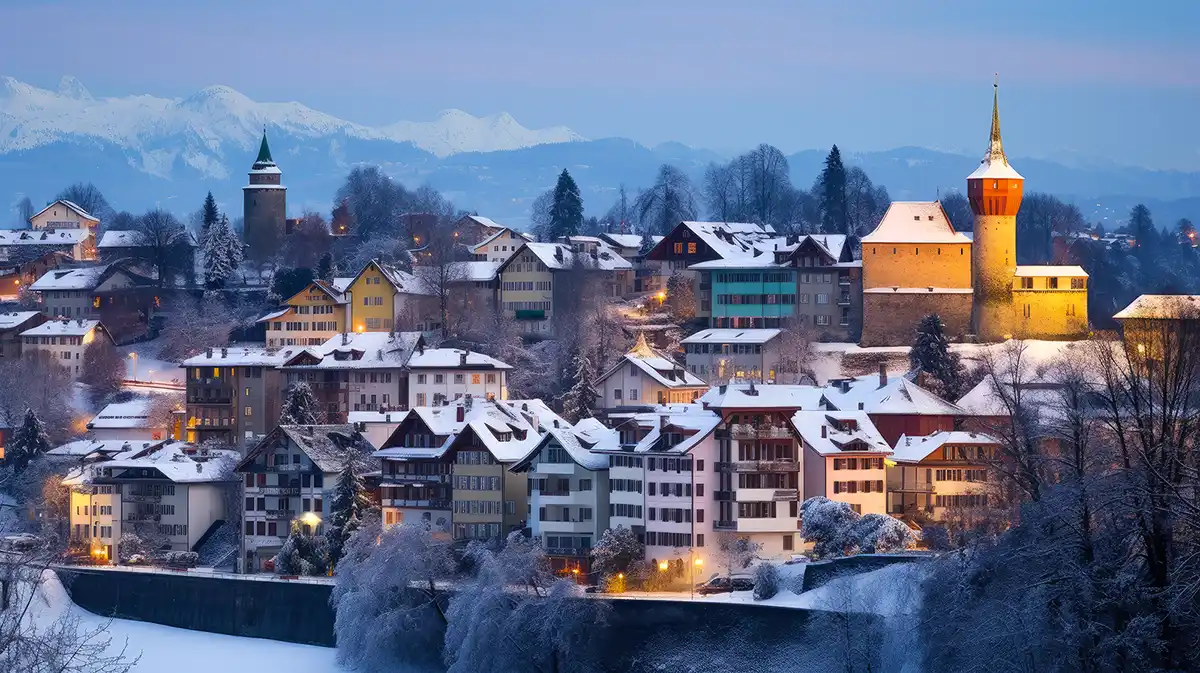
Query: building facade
[737,355]
[233,394]
[65,341]
[63,214]
[264,204]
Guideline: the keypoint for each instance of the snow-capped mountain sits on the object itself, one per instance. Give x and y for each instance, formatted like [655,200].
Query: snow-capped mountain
[201,129]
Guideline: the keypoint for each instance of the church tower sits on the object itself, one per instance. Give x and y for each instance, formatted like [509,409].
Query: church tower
[994,190]
[264,205]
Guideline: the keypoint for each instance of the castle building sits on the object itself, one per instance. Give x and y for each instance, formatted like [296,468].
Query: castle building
[264,205]
[915,264]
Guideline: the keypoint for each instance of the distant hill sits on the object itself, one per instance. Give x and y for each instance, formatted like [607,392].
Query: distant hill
[144,151]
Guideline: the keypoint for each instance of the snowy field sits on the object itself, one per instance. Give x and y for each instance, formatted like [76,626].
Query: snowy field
[163,648]
[149,367]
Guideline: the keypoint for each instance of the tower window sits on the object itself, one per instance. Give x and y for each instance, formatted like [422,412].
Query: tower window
[1028,311]
[1052,283]
[939,251]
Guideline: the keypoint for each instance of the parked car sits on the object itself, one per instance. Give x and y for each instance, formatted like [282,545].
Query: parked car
[723,585]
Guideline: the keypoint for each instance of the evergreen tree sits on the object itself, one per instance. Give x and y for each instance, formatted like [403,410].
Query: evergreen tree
[616,550]
[566,211]
[301,554]
[1141,225]
[831,193]
[647,243]
[578,401]
[325,267]
[930,353]
[299,405]
[222,253]
[28,443]
[350,502]
[209,217]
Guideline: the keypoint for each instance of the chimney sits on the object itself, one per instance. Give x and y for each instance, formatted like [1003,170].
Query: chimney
[558,254]
[345,338]
[882,374]
[752,391]
[460,413]
[421,347]
[824,432]
[721,389]
[462,359]
[860,406]
[224,352]
[199,469]
[208,352]
[556,423]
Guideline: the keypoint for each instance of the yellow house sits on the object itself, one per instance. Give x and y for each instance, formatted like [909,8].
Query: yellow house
[383,298]
[312,316]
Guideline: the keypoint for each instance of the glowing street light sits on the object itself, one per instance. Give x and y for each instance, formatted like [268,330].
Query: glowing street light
[662,565]
[695,566]
[134,357]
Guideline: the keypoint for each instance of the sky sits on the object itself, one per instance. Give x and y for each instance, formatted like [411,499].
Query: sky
[1080,81]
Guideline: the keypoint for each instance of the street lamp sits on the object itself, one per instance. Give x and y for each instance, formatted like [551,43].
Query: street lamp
[134,357]
[695,566]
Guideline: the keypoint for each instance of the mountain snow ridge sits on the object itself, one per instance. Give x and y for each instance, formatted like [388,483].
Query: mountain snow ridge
[203,129]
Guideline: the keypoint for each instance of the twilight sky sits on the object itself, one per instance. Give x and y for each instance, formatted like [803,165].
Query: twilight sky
[1098,79]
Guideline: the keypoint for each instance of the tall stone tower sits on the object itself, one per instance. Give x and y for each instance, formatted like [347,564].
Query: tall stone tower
[994,190]
[264,205]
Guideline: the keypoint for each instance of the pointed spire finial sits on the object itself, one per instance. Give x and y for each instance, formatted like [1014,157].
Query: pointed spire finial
[995,145]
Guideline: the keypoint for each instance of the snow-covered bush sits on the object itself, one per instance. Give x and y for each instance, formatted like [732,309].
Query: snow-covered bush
[301,554]
[181,559]
[616,550]
[827,525]
[880,534]
[137,560]
[936,538]
[766,581]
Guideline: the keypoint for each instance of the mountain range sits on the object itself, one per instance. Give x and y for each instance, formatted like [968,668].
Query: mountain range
[143,151]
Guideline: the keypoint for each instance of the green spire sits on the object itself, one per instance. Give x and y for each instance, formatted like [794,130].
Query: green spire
[264,152]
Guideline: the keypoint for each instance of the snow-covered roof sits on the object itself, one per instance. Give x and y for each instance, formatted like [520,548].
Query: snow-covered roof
[663,370]
[180,462]
[453,358]
[915,222]
[85,447]
[1038,271]
[486,222]
[43,236]
[62,328]
[274,314]
[763,252]
[633,241]
[124,415]
[471,271]
[486,419]
[836,432]
[731,239]
[84,278]
[558,256]
[118,239]
[75,207]
[579,446]
[319,444]
[1161,307]
[691,420]
[241,355]
[897,395]
[16,318]
[764,396]
[357,350]
[733,336]
[330,289]
[915,449]
[268,169]
[341,284]
[381,416]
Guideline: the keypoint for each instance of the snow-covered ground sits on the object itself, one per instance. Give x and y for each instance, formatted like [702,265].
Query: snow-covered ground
[163,648]
[147,364]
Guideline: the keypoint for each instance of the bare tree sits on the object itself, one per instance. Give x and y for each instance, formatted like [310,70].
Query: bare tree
[25,212]
[103,368]
[539,215]
[88,196]
[309,239]
[669,201]
[163,243]
[192,326]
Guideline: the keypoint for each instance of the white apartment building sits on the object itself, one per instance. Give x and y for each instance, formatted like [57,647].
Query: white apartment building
[355,371]
[290,476]
[63,214]
[568,493]
[844,457]
[64,340]
[646,376]
[171,491]
[436,375]
[735,355]
[78,244]
[529,292]
[501,245]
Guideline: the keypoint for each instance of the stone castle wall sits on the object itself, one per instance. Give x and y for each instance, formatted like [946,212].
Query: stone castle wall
[890,318]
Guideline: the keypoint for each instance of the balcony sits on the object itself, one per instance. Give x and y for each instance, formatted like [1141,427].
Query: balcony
[724,525]
[785,494]
[289,467]
[844,300]
[723,496]
[766,466]
[279,514]
[744,431]
[555,493]
[918,487]
[279,490]
[530,315]
[134,516]
[422,504]
[408,478]
[568,551]
[134,497]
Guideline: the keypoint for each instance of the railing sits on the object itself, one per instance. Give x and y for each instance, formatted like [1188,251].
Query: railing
[724,525]
[568,551]
[844,301]
[743,431]
[417,478]
[723,466]
[134,516]
[278,490]
[918,487]
[556,493]
[784,494]
[202,401]
[289,467]
[723,496]
[428,504]
[135,497]
[277,514]
[766,466]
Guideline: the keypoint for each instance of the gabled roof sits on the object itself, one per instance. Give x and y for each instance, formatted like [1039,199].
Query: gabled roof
[453,358]
[16,318]
[1047,270]
[124,415]
[496,234]
[43,236]
[733,336]
[628,240]
[400,280]
[338,295]
[180,462]
[662,369]
[357,350]
[1162,307]
[524,421]
[241,355]
[897,395]
[63,328]
[728,240]
[915,222]
[83,278]
[325,445]
[765,396]
[486,222]
[838,432]
[558,256]
[74,207]
[915,449]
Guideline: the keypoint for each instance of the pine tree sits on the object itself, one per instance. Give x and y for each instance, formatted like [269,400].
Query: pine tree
[931,354]
[831,193]
[222,254]
[616,550]
[350,502]
[299,405]
[28,443]
[578,401]
[209,217]
[566,212]
[647,243]
[324,269]
[301,554]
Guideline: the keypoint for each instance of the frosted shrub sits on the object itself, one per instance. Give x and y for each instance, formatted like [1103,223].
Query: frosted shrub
[766,581]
